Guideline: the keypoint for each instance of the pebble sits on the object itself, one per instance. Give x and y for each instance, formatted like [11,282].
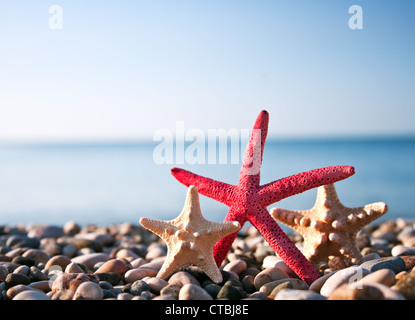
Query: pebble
[171,290]
[137,287]
[236,266]
[113,265]
[274,286]
[406,286]
[71,281]
[396,264]
[36,259]
[268,275]
[182,277]
[138,274]
[39,256]
[231,292]
[353,273]
[31,295]
[352,292]
[73,268]
[88,291]
[89,260]
[59,260]
[297,294]
[156,284]
[193,292]
[13,279]
[383,276]
[401,250]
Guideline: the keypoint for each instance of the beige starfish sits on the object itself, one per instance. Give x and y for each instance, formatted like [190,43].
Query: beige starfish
[329,228]
[190,238]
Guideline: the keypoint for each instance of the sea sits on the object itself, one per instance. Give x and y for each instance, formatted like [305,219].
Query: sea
[115,182]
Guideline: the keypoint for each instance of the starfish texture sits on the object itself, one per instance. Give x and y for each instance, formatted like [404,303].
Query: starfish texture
[248,199]
[190,238]
[330,228]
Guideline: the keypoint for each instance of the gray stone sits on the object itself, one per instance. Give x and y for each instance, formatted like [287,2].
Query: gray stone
[193,292]
[396,264]
[137,287]
[296,294]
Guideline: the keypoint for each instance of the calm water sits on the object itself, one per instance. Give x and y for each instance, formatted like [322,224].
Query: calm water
[102,184]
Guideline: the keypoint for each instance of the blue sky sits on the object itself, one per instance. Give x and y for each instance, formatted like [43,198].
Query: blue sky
[123,69]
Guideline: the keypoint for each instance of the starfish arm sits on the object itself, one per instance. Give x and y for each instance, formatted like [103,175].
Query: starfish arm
[290,218]
[283,246]
[159,227]
[285,187]
[367,214]
[252,160]
[217,190]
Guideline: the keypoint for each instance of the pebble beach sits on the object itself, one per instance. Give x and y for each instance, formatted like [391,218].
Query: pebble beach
[120,262]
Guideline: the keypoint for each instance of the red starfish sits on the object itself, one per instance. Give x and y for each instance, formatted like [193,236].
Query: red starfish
[248,200]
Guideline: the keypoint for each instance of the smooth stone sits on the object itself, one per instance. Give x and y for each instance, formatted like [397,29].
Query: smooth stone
[138,262]
[268,275]
[213,289]
[89,260]
[113,265]
[13,291]
[237,266]
[73,268]
[126,254]
[59,260]
[42,232]
[400,250]
[24,261]
[388,293]
[270,261]
[272,288]
[406,286]
[3,273]
[37,275]
[193,292]
[82,244]
[138,274]
[409,262]
[71,228]
[125,296]
[111,277]
[31,295]
[317,284]
[231,292]
[71,281]
[137,287]
[297,294]
[43,285]
[383,276]
[61,294]
[351,292]
[103,238]
[257,295]
[248,284]
[396,264]
[156,284]
[69,250]
[88,291]
[171,290]
[342,276]
[13,279]
[20,241]
[22,270]
[371,256]
[182,277]
[38,255]
[155,264]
